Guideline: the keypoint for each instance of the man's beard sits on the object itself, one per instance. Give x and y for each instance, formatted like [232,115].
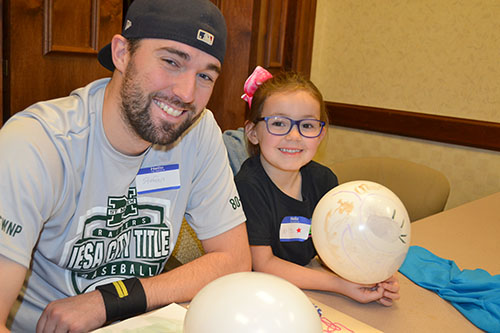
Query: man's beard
[136,112]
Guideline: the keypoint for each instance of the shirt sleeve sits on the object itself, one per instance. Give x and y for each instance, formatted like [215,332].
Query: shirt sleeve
[323,178]
[31,175]
[214,205]
[331,180]
[259,214]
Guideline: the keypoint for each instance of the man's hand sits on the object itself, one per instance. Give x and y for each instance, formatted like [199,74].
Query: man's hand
[80,313]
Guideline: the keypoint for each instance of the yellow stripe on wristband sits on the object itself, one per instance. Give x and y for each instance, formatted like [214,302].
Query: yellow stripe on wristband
[121,289]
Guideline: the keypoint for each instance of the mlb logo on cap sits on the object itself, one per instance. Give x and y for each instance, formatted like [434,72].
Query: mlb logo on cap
[205,37]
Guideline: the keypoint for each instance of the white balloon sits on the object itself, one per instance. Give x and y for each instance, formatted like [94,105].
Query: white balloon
[251,302]
[361,231]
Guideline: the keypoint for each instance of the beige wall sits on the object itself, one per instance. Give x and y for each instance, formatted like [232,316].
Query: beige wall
[439,57]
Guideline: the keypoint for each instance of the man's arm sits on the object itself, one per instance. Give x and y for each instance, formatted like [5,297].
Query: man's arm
[226,253]
[11,280]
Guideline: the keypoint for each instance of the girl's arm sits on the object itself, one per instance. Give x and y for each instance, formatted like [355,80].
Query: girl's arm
[263,260]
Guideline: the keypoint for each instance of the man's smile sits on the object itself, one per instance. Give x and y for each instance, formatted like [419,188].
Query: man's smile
[168,109]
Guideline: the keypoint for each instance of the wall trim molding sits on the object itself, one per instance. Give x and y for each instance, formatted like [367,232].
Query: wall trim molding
[459,131]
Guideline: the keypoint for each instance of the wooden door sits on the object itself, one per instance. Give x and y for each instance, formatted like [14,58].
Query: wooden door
[275,34]
[51,47]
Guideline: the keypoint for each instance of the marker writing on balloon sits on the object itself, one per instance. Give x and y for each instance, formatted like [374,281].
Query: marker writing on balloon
[401,239]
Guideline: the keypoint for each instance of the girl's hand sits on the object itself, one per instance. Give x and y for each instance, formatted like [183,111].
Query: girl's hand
[391,290]
[383,293]
[363,293]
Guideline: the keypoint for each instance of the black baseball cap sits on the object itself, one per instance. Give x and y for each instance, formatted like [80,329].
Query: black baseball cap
[197,23]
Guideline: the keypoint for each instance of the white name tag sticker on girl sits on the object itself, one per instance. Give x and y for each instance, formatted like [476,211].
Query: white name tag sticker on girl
[294,229]
[158,178]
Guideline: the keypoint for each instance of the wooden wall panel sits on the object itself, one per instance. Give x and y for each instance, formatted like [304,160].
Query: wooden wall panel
[37,75]
[269,34]
[228,107]
[300,36]
[283,35]
[71,26]
[275,14]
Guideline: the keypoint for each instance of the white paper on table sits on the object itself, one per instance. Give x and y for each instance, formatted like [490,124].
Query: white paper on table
[333,320]
[169,319]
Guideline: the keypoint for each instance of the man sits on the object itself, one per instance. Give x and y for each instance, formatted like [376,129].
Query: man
[95,185]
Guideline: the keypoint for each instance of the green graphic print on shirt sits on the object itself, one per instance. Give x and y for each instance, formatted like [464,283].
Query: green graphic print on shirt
[132,238]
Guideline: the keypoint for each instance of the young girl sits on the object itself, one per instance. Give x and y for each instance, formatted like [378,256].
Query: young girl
[279,185]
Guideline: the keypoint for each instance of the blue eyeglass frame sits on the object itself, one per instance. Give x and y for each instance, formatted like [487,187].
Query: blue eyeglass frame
[293,123]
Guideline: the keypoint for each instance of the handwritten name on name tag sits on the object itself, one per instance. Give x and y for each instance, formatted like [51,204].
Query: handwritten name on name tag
[158,178]
[294,229]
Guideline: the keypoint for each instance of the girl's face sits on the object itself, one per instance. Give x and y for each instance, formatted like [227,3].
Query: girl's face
[290,152]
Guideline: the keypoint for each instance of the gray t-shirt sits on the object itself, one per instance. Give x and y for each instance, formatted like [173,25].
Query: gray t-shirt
[81,214]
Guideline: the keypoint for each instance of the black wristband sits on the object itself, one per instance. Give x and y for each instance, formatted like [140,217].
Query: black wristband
[123,299]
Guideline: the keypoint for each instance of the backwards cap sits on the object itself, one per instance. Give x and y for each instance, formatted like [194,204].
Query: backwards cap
[197,23]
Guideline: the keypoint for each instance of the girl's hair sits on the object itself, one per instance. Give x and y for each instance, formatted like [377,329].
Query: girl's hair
[284,82]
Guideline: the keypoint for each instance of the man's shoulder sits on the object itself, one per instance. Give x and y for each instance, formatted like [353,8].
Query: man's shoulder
[69,113]
[202,130]
[80,95]
[206,122]
[92,89]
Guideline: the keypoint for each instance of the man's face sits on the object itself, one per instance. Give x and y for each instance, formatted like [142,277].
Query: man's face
[165,88]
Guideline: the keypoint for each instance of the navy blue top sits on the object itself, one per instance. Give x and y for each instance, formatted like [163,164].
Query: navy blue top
[269,210]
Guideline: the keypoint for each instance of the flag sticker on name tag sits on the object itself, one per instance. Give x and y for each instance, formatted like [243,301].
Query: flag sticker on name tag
[158,178]
[295,229]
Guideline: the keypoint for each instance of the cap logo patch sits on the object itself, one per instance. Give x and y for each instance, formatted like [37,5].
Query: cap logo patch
[127,25]
[205,37]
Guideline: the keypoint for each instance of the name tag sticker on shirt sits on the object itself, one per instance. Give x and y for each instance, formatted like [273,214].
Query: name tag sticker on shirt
[158,178]
[295,229]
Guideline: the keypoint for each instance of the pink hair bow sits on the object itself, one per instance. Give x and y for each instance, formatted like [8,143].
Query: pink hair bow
[259,76]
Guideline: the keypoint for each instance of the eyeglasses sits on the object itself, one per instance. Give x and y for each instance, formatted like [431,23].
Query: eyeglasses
[280,125]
